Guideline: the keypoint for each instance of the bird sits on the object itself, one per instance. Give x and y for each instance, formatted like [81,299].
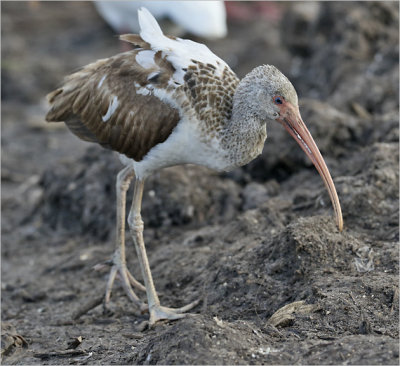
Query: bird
[206,19]
[172,101]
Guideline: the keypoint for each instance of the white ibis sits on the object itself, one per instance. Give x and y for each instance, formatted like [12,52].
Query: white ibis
[172,101]
[205,19]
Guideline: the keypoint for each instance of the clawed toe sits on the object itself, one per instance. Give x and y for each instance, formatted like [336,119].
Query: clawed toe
[158,312]
[127,281]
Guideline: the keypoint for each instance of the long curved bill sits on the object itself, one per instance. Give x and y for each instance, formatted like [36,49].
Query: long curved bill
[293,123]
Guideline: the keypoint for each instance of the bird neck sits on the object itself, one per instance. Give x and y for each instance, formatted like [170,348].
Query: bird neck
[245,132]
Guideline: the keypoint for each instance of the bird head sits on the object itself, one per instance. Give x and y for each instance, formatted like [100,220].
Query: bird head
[273,96]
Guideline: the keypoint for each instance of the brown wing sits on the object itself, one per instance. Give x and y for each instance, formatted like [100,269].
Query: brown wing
[211,96]
[100,103]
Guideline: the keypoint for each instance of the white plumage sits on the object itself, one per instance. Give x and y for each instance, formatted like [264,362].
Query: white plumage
[146,59]
[205,19]
[180,52]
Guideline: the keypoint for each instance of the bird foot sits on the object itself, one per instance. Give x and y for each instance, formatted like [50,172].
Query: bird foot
[158,312]
[128,281]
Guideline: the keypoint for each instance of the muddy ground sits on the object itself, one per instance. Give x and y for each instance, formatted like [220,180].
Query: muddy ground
[248,243]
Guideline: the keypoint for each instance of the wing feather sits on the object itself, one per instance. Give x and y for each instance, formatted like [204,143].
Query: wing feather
[100,104]
[209,83]
[131,104]
[179,52]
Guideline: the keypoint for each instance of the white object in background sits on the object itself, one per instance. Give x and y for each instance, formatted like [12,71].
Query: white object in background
[205,19]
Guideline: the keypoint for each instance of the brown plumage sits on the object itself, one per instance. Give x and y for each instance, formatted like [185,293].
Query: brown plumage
[210,97]
[139,122]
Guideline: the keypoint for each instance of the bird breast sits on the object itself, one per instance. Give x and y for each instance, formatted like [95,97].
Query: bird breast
[187,144]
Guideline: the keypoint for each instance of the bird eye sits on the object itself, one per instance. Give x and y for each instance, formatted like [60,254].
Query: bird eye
[278,100]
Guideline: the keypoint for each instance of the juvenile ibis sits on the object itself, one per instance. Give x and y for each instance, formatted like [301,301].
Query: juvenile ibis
[172,101]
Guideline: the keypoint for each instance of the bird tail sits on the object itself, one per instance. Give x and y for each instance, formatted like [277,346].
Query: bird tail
[148,24]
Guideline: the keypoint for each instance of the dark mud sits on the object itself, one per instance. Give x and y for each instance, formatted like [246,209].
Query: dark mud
[253,243]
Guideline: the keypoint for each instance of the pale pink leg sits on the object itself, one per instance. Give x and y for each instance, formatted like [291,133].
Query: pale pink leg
[124,179]
[157,312]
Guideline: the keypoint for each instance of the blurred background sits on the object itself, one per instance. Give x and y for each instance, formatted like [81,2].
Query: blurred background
[58,191]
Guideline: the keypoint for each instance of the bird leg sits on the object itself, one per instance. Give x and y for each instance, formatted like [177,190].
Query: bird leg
[124,179]
[157,312]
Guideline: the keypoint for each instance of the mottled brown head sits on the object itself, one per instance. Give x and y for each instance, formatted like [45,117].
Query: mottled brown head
[267,94]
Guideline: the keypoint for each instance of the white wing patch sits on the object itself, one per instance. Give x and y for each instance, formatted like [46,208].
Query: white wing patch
[142,90]
[146,59]
[153,74]
[111,109]
[101,81]
[180,52]
[164,94]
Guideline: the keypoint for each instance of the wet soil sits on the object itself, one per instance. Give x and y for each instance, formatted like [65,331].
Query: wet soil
[278,283]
